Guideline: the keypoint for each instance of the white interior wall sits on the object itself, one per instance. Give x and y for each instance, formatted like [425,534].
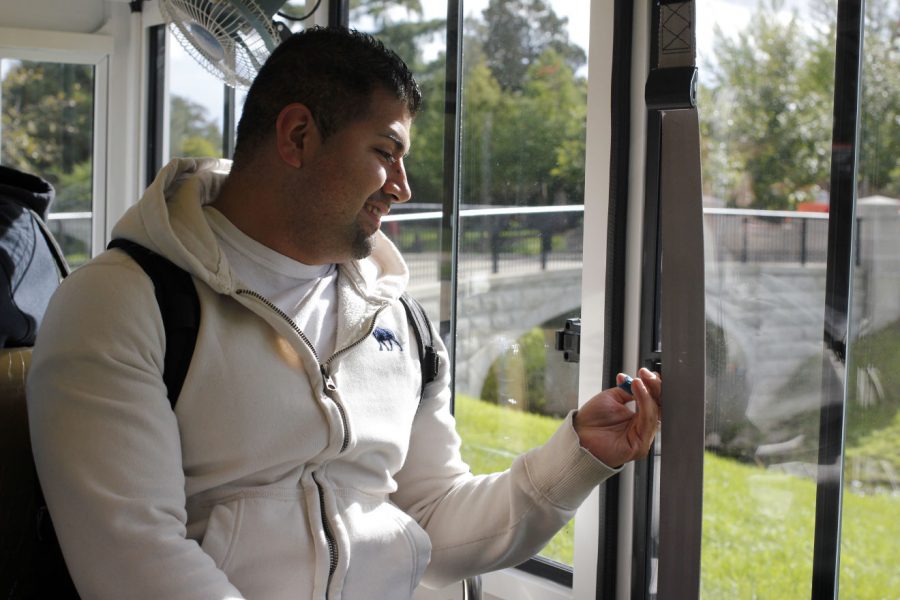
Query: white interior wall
[76,16]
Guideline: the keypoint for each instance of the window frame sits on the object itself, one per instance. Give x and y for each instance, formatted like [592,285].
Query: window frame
[77,49]
[158,95]
[588,574]
[842,244]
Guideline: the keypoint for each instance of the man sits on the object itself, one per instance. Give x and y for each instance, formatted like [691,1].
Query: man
[300,461]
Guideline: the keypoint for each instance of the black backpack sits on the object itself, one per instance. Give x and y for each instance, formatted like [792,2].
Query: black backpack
[180,309]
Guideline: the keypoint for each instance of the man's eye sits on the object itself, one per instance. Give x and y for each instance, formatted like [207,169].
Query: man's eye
[387,156]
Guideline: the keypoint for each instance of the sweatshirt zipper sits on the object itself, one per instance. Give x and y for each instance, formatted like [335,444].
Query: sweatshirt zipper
[326,372]
[283,315]
[329,537]
[328,383]
[329,386]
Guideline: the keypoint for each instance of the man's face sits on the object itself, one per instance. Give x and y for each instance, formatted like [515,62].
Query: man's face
[353,179]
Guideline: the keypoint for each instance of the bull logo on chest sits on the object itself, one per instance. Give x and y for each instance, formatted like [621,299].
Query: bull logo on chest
[386,339]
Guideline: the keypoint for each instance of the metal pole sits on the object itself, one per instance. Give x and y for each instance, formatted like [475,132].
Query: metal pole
[472,588]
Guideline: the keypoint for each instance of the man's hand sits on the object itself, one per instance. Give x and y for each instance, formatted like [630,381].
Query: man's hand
[614,433]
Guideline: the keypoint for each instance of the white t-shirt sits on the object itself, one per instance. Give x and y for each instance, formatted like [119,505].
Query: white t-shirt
[306,293]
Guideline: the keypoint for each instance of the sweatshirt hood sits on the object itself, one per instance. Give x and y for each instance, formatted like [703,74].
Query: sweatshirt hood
[169,220]
[28,190]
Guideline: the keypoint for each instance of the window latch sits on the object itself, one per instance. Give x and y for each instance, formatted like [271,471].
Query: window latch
[568,341]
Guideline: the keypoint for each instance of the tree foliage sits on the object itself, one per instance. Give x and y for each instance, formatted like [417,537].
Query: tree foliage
[517,32]
[523,106]
[47,127]
[879,165]
[523,140]
[766,109]
[191,130]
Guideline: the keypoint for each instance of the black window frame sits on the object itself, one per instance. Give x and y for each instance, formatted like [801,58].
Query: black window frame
[156,99]
[842,230]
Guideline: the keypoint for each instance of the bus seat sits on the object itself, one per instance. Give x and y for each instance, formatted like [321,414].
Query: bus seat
[19,496]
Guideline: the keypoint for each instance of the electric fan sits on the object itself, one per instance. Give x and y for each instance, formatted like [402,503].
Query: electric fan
[230,38]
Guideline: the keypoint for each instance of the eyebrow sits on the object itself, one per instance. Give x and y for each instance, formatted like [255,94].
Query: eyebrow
[398,144]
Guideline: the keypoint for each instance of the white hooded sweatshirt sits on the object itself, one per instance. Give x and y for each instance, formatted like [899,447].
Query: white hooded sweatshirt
[280,474]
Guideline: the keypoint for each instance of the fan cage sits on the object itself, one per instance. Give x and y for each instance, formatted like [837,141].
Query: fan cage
[243,33]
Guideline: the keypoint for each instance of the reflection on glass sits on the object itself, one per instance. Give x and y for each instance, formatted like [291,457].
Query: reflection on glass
[48,130]
[520,242]
[765,104]
[196,107]
[870,529]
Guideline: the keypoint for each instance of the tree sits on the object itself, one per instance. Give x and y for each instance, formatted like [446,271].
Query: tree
[517,32]
[191,131]
[879,169]
[402,28]
[47,127]
[522,142]
[766,111]
[762,114]
[535,130]
[523,147]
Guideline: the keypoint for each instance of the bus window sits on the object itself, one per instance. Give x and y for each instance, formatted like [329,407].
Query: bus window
[871,481]
[48,130]
[521,205]
[799,473]
[524,104]
[195,109]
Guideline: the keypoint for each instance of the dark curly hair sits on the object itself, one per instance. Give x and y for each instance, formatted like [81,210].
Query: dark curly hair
[333,71]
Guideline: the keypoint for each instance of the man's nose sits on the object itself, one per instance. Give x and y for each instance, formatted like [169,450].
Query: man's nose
[397,185]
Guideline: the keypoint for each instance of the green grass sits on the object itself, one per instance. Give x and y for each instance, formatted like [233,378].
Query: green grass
[873,431]
[758,536]
[758,525]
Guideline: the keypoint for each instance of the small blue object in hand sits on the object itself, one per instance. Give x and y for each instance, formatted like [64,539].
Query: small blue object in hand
[626,385]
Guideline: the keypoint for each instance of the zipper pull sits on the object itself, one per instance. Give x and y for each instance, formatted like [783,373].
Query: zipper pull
[329,383]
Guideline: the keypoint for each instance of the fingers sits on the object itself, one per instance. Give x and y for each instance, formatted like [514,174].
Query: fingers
[647,390]
[653,382]
[647,410]
[621,390]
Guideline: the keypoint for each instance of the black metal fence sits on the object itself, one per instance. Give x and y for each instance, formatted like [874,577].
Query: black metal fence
[492,240]
[761,236]
[510,240]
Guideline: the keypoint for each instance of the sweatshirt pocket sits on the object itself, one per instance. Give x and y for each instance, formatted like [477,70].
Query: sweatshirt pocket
[221,529]
[261,540]
[389,552]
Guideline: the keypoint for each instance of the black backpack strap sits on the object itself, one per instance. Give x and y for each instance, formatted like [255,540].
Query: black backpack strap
[428,356]
[179,306]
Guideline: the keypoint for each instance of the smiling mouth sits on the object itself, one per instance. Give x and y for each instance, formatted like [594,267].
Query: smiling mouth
[376,210]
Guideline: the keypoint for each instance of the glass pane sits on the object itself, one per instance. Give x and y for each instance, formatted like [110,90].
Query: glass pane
[418,34]
[47,130]
[520,245]
[195,109]
[870,532]
[765,104]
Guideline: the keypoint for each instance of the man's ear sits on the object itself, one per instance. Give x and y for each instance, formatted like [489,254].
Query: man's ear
[295,134]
